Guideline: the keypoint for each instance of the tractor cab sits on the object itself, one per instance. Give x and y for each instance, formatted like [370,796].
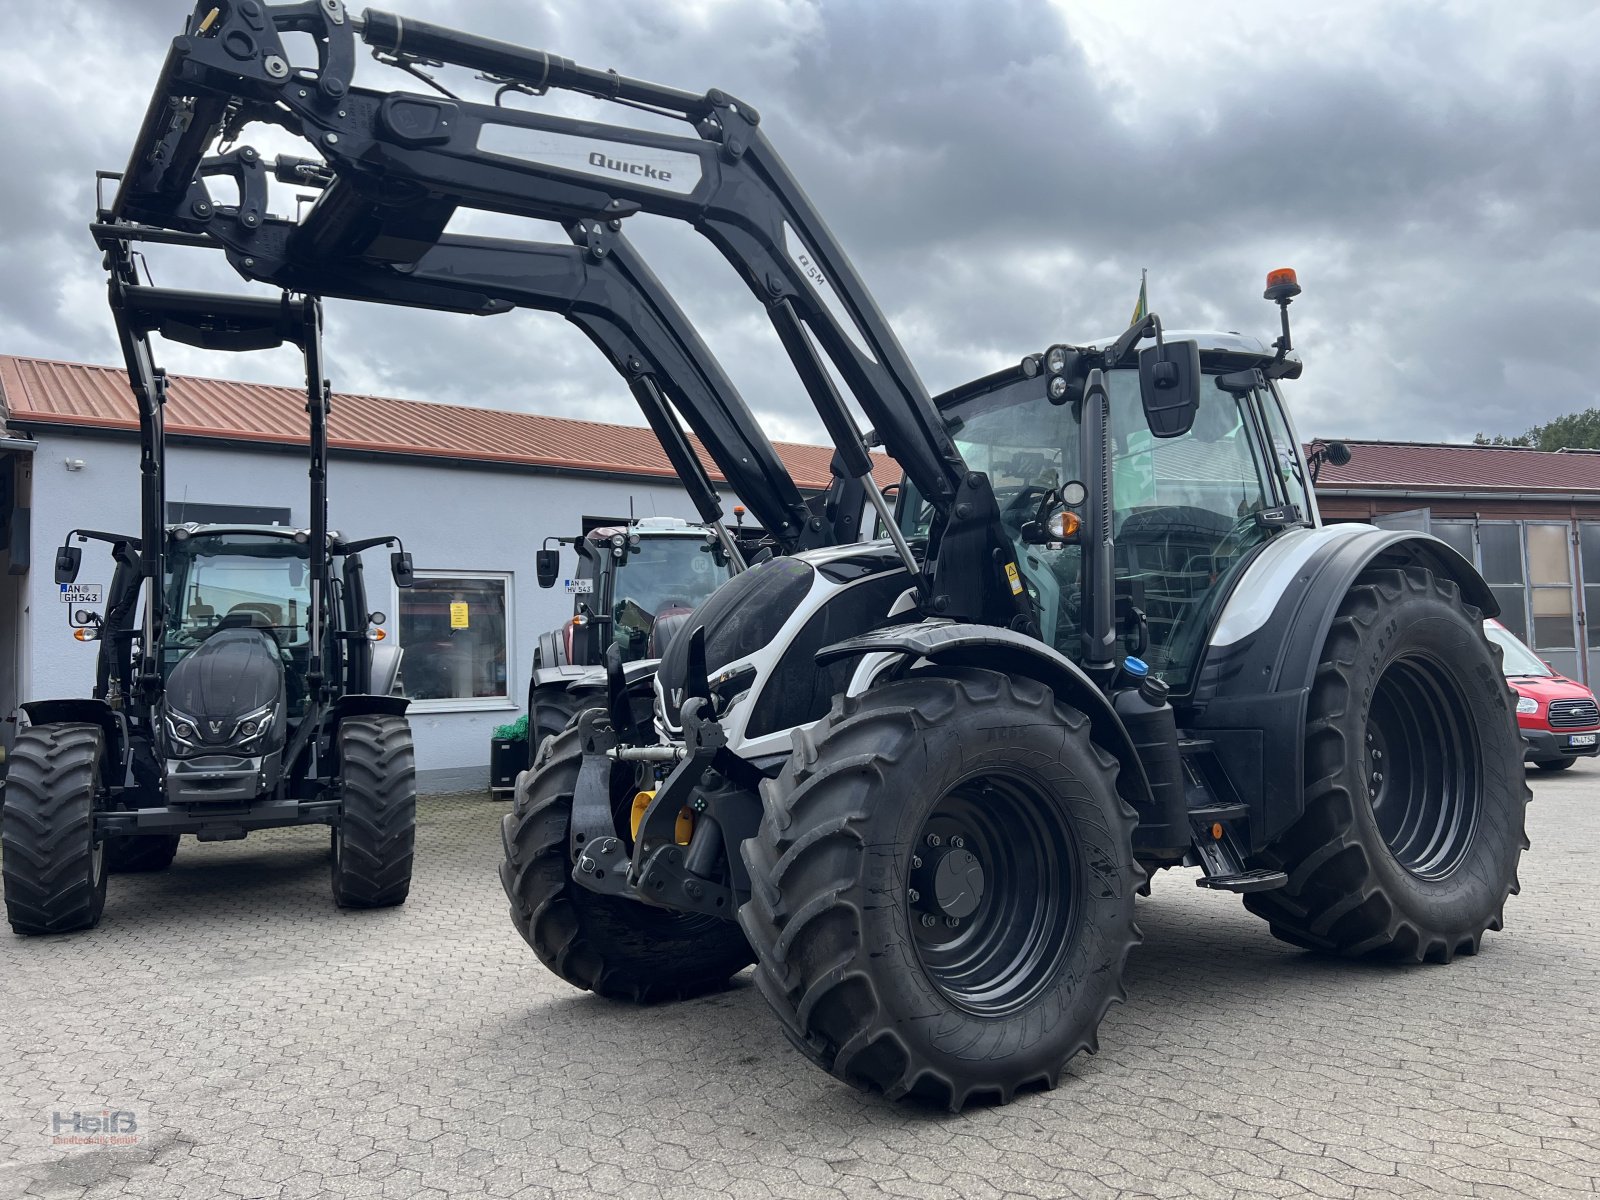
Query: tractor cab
[1187,510]
[636,584]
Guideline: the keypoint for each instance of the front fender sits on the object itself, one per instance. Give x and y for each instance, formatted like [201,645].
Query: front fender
[88,712]
[990,648]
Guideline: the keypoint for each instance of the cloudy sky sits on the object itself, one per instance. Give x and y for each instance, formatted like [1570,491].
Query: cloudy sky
[1000,171]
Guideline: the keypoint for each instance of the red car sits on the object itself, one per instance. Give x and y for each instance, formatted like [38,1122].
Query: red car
[1559,717]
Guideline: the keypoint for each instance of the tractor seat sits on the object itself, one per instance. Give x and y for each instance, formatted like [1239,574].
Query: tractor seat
[256,615]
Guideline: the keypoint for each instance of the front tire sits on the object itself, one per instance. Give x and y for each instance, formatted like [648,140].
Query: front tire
[55,870]
[1415,792]
[610,945]
[942,888]
[374,841]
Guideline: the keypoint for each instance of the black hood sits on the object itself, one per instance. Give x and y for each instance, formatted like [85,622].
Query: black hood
[232,673]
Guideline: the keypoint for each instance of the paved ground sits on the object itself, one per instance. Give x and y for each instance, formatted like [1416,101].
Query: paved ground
[269,1045]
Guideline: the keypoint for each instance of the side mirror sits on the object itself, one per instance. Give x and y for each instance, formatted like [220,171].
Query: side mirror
[68,560]
[547,565]
[1169,387]
[400,567]
[1338,453]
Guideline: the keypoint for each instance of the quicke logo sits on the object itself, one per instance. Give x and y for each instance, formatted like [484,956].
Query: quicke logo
[624,167]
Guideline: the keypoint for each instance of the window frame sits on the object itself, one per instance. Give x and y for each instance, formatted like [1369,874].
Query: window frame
[467,704]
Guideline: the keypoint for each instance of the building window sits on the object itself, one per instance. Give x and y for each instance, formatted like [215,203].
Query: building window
[1500,548]
[1589,541]
[452,627]
[1550,577]
[180,512]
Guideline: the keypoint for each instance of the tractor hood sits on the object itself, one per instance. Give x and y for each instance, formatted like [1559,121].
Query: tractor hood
[227,694]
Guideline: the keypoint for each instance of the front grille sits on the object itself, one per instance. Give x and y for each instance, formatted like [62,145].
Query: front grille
[1574,714]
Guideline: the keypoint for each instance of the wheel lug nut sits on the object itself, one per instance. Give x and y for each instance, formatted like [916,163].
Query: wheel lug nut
[958,842]
[934,839]
[952,922]
[916,862]
[929,920]
[913,895]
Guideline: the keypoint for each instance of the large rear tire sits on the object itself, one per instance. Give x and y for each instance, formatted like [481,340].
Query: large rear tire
[147,852]
[55,871]
[375,839]
[611,945]
[942,888]
[1415,792]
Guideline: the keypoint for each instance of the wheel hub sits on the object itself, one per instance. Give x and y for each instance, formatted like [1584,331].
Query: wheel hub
[992,885]
[949,883]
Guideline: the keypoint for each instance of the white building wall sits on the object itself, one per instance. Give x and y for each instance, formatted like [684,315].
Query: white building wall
[458,517]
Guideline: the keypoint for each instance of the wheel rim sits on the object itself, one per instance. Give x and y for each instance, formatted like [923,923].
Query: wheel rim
[1005,838]
[1420,766]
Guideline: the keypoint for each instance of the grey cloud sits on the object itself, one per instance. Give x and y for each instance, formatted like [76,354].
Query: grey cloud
[1434,188]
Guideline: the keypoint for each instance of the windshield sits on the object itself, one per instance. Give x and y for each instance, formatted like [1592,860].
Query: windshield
[1517,661]
[664,577]
[1183,510]
[240,582]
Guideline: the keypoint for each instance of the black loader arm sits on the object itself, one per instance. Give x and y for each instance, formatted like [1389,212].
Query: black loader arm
[400,163]
[600,283]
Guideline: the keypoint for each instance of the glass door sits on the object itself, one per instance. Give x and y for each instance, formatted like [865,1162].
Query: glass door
[1550,592]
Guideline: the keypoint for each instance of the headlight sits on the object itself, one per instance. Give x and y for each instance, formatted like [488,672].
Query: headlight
[253,726]
[181,731]
[1527,704]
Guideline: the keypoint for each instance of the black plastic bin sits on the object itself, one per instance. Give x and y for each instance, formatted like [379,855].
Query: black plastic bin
[508,758]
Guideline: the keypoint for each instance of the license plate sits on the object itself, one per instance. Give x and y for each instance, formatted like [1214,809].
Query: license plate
[1581,739]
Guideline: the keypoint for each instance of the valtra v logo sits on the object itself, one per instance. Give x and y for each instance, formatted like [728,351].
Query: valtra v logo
[624,167]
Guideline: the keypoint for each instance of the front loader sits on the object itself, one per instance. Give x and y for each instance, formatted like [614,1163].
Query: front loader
[241,682]
[920,781]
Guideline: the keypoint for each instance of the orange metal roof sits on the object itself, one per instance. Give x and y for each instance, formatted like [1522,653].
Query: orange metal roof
[1442,467]
[49,392]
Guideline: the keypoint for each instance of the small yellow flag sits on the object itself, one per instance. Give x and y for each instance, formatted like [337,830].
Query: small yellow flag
[458,614]
[1142,308]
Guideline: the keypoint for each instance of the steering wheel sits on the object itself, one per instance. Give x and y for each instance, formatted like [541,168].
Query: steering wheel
[1015,512]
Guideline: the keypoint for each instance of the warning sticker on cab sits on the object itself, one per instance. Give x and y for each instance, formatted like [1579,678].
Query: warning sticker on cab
[460,615]
[81,593]
[1016,580]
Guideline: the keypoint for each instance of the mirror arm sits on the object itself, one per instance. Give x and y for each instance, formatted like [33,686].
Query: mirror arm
[1136,333]
[368,544]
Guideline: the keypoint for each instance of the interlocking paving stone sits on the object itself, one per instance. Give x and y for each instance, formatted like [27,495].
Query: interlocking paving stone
[272,1046]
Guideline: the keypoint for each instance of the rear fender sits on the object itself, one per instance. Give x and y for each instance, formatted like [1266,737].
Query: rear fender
[1255,678]
[990,648]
